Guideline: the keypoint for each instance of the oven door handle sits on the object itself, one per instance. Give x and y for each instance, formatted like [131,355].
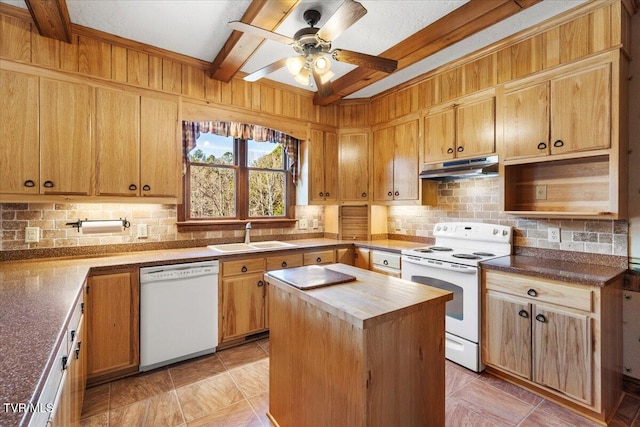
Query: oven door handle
[442,265]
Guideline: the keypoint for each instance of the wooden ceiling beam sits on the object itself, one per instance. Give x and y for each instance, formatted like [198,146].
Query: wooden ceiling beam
[51,18]
[239,47]
[474,16]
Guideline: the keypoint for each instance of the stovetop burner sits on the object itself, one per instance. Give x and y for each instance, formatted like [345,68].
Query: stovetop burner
[440,249]
[466,256]
[424,250]
[484,254]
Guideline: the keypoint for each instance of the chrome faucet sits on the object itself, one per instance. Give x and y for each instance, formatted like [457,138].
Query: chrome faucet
[246,233]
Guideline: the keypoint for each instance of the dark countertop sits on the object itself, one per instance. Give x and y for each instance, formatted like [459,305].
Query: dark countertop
[554,269]
[38,296]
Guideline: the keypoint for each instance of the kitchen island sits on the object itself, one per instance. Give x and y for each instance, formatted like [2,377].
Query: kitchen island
[368,352]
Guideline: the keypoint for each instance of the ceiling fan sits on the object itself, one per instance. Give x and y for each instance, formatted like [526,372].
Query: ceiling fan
[313,44]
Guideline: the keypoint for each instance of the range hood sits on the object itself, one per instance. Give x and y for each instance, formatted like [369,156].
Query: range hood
[459,169]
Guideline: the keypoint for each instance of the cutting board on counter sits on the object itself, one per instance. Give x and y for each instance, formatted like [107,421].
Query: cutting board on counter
[311,277]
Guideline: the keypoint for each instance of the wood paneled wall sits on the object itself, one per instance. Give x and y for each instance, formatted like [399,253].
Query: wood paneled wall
[594,28]
[104,56]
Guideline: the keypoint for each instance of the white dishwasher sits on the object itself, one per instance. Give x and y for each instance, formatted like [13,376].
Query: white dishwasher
[178,312]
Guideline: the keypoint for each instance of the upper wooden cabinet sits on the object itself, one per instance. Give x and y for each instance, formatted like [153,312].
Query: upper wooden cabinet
[396,163]
[462,130]
[137,145]
[319,173]
[354,166]
[566,114]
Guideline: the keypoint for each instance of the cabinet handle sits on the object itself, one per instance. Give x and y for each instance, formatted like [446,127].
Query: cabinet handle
[73,335]
[244,269]
[48,184]
[29,183]
[321,194]
[541,318]
[558,143]
[327,194]
[389,194]
[260,283]
[524,313]
[284,264]
[146,187]
[460,149]
[78,350]
[450,150]
[364,194]
[532,292]
[65,359]
[318,259]
[385,262]
[133,187]
[627,297]
[397,193]
[542,146]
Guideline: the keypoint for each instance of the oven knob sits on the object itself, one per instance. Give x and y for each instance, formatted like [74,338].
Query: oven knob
[495,231]
[438,228]
[444,228]
[505,232]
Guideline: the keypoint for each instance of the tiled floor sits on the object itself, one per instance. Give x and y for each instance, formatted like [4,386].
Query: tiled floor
[231,388]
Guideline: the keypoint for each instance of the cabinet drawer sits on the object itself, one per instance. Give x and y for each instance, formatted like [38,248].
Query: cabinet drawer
[243,266]
[385,259]
[321,257]
[537,289]
[284,261]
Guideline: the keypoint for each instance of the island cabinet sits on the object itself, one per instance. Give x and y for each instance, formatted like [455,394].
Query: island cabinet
[113,318]
[396,163]
[560,339]
[354,166]
[138,149]
[318,178]
[462,130]
[364,353]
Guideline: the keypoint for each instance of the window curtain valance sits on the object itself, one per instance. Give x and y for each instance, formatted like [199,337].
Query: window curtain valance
[192,130]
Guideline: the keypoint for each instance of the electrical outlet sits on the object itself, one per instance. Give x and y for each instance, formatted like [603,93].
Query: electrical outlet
[32,234]
[314,223]
[143,232]
[303,224]
[554,234]
[541,192]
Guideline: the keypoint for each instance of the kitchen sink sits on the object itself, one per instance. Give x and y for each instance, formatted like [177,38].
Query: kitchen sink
[247,247]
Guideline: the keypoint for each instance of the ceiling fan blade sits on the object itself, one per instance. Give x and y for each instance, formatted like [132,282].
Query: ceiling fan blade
[363,60]
[264,71]
[324,88]
[260,32]
[347,14]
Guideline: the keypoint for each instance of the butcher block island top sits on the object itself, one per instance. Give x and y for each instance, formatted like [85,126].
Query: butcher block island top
[366,352]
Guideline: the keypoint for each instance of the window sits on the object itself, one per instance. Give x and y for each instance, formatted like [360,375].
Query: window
[233,178]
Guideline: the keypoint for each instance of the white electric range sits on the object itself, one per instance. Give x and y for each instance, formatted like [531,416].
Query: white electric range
[453,264]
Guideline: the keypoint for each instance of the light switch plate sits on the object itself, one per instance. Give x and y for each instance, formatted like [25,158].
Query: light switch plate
[303,224]
[554,234]
[314,223]
[143,232]
[32,234]
[541,192]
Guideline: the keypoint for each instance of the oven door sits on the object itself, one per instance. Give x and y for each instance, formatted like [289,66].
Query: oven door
[462,313]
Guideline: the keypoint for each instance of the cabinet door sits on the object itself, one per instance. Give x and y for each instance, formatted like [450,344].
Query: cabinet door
[439,136]
[581,110]
[362,258]
[159,148]
[383,148]
[65,138]
[508,334]
[526,125]
[476,129]
[243,305]
[331,166]
[354,167]
[117,143]
[562,346]
[113,325]
[19,146]
[78,373]
[61,414]
[316,166]
[405,162]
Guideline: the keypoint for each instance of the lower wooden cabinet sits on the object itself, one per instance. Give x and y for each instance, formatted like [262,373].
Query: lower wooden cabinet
[113,325]
[562,340]
[320,257]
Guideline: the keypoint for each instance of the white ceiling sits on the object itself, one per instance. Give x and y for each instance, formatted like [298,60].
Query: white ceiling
[197,28]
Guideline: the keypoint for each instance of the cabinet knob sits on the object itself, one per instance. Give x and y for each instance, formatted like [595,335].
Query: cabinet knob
[327,194]
[385,262]
[389,194]
[244,269]
[541,318]
[146,187]
[542,146]
[364,194]
[260,283]
[523,313]
[48,184]
[460,149]
[397,193]
[532,292]
[133,187]
[321,194]
[29,183]
[450,150]
[318,259]
[558,143]
[284,264]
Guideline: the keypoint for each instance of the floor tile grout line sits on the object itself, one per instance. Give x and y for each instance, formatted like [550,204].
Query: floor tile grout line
[175,391]
[531,412]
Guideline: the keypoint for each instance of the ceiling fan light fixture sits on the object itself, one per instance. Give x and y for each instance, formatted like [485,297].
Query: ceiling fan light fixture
[295,65]
[303,77]
[322,65]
